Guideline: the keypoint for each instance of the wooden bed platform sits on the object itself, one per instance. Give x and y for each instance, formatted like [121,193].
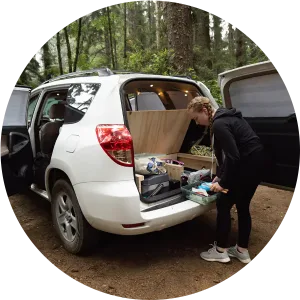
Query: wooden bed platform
[164,132]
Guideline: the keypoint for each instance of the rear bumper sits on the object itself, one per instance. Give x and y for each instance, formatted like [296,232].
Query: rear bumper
[108,205]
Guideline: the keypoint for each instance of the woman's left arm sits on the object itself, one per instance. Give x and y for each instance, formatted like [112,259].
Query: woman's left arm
[224,134]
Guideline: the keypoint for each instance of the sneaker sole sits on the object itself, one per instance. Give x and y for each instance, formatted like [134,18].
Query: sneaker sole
[223,260]
[245,261]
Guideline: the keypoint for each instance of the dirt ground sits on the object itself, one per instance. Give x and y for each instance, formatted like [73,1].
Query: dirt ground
[158,265]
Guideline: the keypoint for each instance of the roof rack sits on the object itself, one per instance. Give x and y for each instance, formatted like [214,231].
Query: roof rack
[129,72]
[183,76]
[100,72]
[122,72]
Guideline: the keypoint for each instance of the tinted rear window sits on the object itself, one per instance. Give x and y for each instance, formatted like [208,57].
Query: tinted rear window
[16,110]
[148,94]
[79,99]
[166,100]
[262,96]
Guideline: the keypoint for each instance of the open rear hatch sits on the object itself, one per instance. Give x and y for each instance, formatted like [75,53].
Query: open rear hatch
[157,119]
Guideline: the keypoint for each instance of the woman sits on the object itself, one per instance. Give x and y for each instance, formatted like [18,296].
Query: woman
[240,172]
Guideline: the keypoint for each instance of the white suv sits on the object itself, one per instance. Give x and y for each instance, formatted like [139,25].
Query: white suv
[74,138]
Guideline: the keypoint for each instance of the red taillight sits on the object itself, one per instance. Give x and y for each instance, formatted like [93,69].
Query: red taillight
[116,141]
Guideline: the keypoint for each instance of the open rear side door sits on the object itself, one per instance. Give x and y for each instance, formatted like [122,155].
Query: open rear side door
[260,94]
[16,151]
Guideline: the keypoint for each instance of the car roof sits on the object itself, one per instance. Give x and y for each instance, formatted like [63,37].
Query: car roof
[121,78]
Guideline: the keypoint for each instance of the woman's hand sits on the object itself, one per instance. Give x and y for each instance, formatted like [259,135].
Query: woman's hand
[215,187]
[216,179]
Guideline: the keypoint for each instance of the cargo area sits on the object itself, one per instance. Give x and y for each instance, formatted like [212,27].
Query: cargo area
[161,129]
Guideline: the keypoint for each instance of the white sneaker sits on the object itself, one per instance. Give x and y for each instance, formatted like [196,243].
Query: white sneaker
[243,257]
[213,255]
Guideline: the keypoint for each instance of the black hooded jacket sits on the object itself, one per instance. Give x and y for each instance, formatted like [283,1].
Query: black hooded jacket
[234,136]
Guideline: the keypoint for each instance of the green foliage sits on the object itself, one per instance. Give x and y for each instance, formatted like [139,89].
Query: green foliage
[150,62]
[254,53]
[142,53]
[214,90]
[201,60]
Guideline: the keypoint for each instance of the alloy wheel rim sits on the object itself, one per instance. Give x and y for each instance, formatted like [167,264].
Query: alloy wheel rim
[66,217]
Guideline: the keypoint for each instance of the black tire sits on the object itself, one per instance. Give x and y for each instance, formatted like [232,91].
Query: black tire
[85,236]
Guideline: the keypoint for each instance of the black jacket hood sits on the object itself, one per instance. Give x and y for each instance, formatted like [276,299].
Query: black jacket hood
[225,112]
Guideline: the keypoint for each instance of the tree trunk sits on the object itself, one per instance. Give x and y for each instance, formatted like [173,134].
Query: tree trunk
[59,54]
[46,58]
[110,39]
[179,28]
[217,44]
[83,37]
[77,46]
[107,42]
[231,40]
[140,32]
[34,68]
[131,19]
[115,49]
[125,32]
[68,49]
[149,22]
[158,16]
[202,38]
[240,55]
[115,45]
[85,46]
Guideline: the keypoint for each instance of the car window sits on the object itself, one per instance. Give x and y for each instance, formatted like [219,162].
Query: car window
[79,99]
[261,96]
[131,100]
[166,100]
[180,99]
[50,101]
[149,101]
[148,94]
[16,111]
[31,107]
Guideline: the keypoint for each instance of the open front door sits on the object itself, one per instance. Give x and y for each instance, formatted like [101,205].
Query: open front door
[260,94]
[16,151]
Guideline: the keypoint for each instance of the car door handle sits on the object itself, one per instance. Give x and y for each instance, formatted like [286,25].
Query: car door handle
[18,147]
[17,141]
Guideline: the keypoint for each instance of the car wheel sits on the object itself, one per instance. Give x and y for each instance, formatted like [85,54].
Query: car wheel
[75,232]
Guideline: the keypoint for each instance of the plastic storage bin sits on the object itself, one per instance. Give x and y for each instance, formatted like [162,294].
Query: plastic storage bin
[187,192]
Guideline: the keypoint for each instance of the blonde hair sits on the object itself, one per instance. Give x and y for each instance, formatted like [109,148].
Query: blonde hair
[197,104]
